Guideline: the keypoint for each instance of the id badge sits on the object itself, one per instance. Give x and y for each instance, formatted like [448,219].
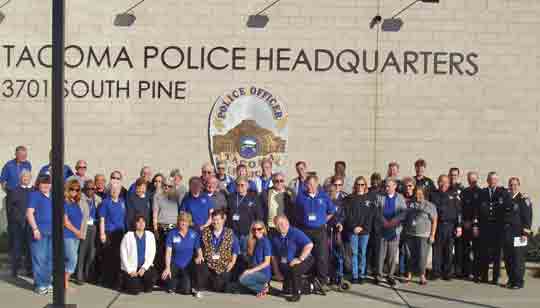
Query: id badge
[90,222]
[312,217]
[284,260]
[413,222]
[215,257]
[236,217]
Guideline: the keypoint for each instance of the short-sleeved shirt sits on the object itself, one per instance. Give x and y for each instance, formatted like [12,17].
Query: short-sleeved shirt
[263,249]
[419,218]
[183,248]
[290,246]
[46,170]
[11,173]
[167,209]
[141,249]
[312,211]
[114,214]
[74,214]
[199,207]
[43,211]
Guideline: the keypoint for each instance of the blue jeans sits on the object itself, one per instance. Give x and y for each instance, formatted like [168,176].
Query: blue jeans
[359,249]
[42,261]
[242,241]
[256,282]
[71,251]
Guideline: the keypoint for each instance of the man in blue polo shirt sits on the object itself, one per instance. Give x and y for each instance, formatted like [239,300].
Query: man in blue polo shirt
[199,205]
[11,172]
[291,250]
[313,209]
[264,181]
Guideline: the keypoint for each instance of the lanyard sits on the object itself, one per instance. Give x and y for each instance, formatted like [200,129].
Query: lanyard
[239,202]
[216,241]
[284,246]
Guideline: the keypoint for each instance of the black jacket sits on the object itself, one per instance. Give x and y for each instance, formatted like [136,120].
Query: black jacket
[359,212]
[448,207]
[242,212]
[18,202]
[517,215]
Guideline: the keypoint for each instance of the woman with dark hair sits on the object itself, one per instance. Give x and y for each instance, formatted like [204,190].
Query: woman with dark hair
[137,253]
[419,227]
[259,251]
[138,204]
[156,185]
[409,195]
[112,225]
[182,245]
[73,216]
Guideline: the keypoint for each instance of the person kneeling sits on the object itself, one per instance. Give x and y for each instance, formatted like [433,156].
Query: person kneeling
[259,250]
[137,252]
[219,248]
[292,256]
[181,244]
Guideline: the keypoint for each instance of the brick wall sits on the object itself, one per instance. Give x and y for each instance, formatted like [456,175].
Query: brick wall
[489,121]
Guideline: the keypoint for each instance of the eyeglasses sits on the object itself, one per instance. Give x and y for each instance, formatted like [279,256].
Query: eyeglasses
[360,184]
[207,172]
[258,229]
[115,178]
[91,189]
[81,167]
[221,168]
[279,181]
[410,186]
[338,184]
[75,189]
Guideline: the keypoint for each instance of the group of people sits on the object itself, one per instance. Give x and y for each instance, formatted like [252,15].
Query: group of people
[230,234]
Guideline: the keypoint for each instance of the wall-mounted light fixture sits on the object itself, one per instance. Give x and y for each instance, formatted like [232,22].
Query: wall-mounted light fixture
[126,18]
[394,24]
[259,21]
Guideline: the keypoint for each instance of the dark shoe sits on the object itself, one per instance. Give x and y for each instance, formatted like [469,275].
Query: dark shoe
[476,280]
[294,298]
[447,278]
[361,280]
[434,277]
[516,287]
[355,281]
[494,282]
[391,281]
[377,281]
[78,282]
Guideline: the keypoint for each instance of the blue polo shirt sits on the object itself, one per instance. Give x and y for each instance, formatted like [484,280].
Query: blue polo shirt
[74,214]
[114,214]
[263,249]
[183,248]
[92,209]
[312,211]
[141,249]
[389,212]
[46,171]
[11,173]
[252,187]
[290,246]
[199,207]
[216,242]
[43,211]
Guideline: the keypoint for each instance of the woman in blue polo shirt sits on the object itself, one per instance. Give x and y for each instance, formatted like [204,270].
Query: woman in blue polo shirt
[199,205]
[39,216]
[112,225]
[72,226]
[181,245]
[259,251]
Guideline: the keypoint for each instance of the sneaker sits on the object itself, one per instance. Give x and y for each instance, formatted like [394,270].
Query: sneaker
[294,298]
[197,294]
[50,289]
[355,281]
[41,291]
[391,281]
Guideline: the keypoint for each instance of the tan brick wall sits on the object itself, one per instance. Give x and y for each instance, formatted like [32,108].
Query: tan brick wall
[489,121]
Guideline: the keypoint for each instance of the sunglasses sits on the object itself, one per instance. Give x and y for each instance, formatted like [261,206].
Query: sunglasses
[74,189]
[258,229]
[115,178]
[81,167]
[207,172]
[91,189]
[279,181]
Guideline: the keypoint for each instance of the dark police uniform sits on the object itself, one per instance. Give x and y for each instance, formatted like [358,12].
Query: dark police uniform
[470,258]
[427,184]
[449,218]
[517,219]
[492,203]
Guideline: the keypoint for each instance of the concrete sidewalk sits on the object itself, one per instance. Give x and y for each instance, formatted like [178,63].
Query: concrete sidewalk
[18,293]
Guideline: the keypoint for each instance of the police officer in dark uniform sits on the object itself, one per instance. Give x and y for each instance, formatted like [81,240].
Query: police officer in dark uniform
[374,243]
[449,225]
[421,180]
[493,200]
[517,219]
[455,184]
[470,257]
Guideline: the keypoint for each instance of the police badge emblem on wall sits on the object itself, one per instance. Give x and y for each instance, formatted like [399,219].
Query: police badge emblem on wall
[246,126]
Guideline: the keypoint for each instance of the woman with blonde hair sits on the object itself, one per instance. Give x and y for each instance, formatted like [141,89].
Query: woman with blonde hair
[259,251]
[73,216]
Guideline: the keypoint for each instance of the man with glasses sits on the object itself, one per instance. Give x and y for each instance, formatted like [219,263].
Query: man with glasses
[213,191]
[339,171]
[277,201]
[198,204]
[222,176]
[101,185]
[11,172]
[264,181]
[207,171]
[421,179]
[80,172]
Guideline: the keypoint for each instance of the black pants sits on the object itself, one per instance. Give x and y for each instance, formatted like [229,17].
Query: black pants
[136,285]
[442,249]
[293,275]
[209,279]
[319,238]
[490,251]
[111,258]
[372,256]
[87,255]
[514,258]
[19,237]
[159,260]
[180,280]
[469,255]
